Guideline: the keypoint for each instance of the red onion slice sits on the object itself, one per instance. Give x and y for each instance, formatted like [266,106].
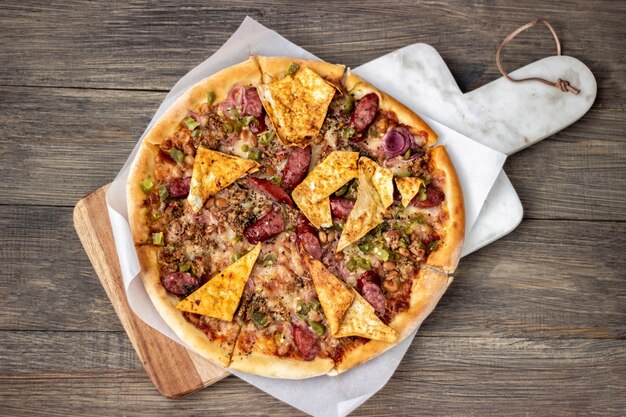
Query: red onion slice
[396,142]
[236,98]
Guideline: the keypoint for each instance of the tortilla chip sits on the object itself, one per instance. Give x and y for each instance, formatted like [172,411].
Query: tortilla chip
[361,320]
[366,214]
[334,297]
[297,105]
[214,171]
[311,195]
[319,213]
[408,188]
[382,178]
[331,174]
[220,296]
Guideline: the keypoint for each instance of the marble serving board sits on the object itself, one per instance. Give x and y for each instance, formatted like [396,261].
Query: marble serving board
[503,115]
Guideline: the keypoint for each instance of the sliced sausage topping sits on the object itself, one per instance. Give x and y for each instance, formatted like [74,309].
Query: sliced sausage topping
[270,189]
[252,105]
[179,283]
[364,112]
[179,187]
[341,207]
[305,340]
[368,285]
[307,240]
[432,197]
[265,228]
[296,168]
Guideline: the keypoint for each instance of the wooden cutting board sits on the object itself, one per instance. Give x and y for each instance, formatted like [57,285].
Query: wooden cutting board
[174,370]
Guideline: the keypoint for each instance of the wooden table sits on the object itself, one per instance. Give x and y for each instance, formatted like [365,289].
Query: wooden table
[534,324]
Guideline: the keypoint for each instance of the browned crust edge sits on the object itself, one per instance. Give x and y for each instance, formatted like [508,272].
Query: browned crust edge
[446,257]
[165,305]
[260,363]
[359,87]
[142,167]
[426,291]
[220,83]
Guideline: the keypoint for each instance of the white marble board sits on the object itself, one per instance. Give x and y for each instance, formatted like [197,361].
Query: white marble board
[503,115]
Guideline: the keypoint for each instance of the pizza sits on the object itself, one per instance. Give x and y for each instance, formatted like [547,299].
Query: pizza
[291,220]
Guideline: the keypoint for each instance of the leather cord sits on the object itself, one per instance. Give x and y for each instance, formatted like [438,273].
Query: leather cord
[563,85]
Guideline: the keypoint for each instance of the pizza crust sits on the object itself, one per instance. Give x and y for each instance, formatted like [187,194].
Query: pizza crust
[141,168]
[247,73]
[426,291]
[446,257]
[359,87]
[165,304]
[220,84]
[260,363]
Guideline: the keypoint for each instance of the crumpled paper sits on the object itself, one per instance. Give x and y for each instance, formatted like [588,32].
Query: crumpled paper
[477,165]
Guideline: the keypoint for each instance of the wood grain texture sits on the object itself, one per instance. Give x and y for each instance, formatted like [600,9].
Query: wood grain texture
[534,324]
[174,370]
[135,46]
[438,376]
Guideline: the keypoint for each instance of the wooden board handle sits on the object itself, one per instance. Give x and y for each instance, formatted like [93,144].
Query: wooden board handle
[173,369]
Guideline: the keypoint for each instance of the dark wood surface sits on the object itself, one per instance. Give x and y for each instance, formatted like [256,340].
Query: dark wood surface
[534,324]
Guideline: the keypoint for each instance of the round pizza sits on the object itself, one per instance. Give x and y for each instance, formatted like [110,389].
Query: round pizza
[291,220]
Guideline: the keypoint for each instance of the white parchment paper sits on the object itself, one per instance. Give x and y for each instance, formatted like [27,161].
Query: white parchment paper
[477,166]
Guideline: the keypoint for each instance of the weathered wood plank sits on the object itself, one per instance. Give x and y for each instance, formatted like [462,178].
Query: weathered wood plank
[579,173]
[66,143]
[547,279]
[59,145]
[438,376]
[23,351]
[46,280]
[129,45]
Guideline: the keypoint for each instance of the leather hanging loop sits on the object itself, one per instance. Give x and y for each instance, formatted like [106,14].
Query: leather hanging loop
[561,84]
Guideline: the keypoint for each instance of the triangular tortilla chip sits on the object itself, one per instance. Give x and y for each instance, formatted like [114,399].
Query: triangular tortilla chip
[297,105]
[366,214]
[220,296]
[213,171]
[408,188]
[334,297]
[361,320]
[319,213]
[331,174]
[311,195]
[382,178]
